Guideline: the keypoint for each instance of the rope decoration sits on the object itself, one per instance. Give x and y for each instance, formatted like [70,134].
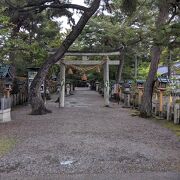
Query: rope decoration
[106,84]
[84,69]
[62,83]
[89,68]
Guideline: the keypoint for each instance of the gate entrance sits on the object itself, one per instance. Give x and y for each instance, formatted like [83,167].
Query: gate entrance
[105,62]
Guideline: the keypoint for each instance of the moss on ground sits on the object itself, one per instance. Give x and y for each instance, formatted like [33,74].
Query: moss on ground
[6,144]
[168,124]
[174,127]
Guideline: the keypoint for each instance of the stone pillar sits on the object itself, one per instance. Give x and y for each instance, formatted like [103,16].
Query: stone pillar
[106,82]
[72,87]
[62,84]
[128,100]
[97,86]
[5,110]
[68,89]
[169,105]
[176,113]
[160,101]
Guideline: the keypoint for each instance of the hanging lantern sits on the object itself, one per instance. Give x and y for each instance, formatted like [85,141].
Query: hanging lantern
[98,69]
[84,77]
[70,71]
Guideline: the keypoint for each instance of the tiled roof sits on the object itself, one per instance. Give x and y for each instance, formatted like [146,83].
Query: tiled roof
[4,71]
[164,69]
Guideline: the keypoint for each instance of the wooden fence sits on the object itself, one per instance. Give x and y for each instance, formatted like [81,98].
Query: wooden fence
[18,99]
[164,106]
[167,107]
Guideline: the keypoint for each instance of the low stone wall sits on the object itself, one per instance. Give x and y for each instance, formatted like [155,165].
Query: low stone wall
[5,115]
[5,110]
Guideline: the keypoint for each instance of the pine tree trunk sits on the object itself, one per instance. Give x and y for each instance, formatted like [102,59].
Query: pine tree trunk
[120,67]
[36,101]
[146,107]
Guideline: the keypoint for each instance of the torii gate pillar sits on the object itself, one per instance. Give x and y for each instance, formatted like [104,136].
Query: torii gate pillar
[106,82]
[62,84]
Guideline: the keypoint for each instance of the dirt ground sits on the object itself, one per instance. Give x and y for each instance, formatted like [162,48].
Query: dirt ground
[86,138]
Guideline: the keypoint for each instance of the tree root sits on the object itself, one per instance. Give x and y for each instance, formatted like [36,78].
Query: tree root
[40,111]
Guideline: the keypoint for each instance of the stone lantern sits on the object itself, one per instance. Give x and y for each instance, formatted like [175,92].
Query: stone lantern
[161,84]
[97,85]
[32,71]
[140,86]
[126,90]
[68,88]
[8,88]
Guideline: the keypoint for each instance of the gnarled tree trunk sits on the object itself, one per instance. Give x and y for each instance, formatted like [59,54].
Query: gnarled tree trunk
[148,89]
[36,101]
[146,108]
[120,67]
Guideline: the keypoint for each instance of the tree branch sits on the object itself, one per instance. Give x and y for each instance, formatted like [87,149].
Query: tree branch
[10,4]
[55,6]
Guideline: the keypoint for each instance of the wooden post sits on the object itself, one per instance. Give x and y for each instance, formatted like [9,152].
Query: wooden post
[140,94]
[7,93]
[106,82]
[62,84]
[156,104]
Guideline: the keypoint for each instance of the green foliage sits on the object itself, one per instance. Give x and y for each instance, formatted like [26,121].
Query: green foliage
[131,23]
[143,70]
[29,45]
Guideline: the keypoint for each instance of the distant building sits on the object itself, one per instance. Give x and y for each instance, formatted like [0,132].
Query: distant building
[175,75]
[175,71]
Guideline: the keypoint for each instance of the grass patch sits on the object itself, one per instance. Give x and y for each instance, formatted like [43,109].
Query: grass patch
[135,113]
[173,127]
[6,144]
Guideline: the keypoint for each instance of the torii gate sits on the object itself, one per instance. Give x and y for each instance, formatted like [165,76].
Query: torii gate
[105,64]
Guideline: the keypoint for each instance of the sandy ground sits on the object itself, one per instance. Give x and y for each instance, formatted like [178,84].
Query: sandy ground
[86,140]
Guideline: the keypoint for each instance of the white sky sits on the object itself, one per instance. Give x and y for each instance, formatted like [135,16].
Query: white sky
[80,2]
[64,19]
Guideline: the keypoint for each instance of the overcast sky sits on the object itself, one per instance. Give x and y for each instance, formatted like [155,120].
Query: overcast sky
[80,2]
[64,19]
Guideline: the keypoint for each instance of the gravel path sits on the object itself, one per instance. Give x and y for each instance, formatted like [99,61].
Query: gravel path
[87,138]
